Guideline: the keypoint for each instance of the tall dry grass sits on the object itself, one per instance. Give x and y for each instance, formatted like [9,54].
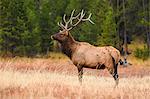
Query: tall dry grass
[24,78]
[15,84]
[35,84]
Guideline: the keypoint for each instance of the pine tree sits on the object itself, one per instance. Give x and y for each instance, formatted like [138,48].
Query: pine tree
[105,26]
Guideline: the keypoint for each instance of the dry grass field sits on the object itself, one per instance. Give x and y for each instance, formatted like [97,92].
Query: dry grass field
[56,78]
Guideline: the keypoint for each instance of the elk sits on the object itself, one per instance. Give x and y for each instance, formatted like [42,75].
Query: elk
[83,54]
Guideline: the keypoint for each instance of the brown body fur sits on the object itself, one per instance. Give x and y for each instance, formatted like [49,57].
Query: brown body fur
[114,53]
[89,56]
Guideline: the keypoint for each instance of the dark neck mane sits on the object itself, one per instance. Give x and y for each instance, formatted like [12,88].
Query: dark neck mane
[69,46]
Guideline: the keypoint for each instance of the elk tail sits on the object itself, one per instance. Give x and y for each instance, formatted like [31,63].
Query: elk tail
[113,61]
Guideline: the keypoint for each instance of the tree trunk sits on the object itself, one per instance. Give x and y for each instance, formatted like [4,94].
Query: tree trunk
[148,40]
[117,23]
[125,33]
[148,28]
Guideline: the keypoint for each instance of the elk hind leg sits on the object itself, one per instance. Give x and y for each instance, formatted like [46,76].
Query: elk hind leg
[115,74]
[115,71]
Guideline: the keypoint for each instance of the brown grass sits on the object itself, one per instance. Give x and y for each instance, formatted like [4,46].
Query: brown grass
[23,78]
[138,62]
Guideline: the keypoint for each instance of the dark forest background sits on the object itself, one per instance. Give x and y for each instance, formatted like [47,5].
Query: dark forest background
[26,25]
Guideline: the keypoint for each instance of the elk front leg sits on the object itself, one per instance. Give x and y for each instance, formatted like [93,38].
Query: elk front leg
[80,73]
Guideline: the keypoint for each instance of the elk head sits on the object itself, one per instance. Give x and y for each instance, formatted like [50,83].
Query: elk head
[64,35]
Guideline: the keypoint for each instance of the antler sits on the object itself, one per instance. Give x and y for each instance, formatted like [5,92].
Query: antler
[79,17]
[82,14]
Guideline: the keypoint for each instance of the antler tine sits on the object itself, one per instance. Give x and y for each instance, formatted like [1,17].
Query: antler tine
[69,29]
[67,22]
[89,19]
[82,14]
[74,18]
[61,25]
[64,18]
[72,14]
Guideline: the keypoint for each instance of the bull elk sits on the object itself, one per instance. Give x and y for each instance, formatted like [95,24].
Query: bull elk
[83,54]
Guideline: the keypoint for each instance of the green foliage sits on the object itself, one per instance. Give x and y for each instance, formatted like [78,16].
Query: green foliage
[26,25]
[142,53]
[108,34]
[18,35]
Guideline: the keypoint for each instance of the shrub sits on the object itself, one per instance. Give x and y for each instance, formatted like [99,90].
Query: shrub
[142,53]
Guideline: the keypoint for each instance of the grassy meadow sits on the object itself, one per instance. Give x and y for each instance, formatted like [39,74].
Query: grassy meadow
[56,78]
